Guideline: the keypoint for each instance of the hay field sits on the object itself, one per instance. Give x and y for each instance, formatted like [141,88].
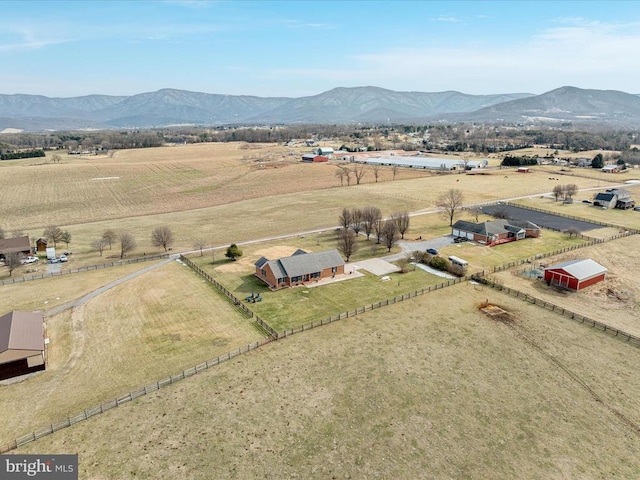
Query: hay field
[146,329]
[615,301]
[405,392]
[155,180]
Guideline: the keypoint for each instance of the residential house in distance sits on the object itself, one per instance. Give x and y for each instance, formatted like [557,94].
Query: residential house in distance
[495,232]
[299,268]
[325,151]
[575,274]
[611,168]
[16,244]
[614,198]
[21,344]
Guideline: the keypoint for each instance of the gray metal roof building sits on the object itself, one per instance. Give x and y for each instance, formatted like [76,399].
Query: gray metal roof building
[428,163]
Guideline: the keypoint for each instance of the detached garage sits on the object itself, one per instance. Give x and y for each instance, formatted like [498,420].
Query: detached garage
[575,274]
[21,344]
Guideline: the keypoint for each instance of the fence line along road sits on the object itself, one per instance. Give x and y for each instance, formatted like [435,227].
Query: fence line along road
[68,271]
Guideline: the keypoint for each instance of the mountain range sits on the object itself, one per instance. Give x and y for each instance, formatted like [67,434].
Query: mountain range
[169,107]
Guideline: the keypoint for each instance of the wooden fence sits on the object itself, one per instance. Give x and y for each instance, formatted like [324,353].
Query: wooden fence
[620,334]
[67,271]
[236,301]
[116,402]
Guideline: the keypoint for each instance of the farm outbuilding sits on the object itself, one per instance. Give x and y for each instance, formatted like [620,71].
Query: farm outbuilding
[575,274]
[41,245]
[13,245]
[21,344]
[426,163]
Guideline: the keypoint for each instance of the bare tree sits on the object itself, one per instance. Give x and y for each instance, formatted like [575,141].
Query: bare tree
[450,202]
[558,191]
[402,221]
[570,190]
[66,238]
[53,234]
[12,261]
[390,233]
[99,245]
[378,225]
[340,174]
[475,212]
[573,231]
[110,236]
[347,175]
[369,217]
[376,171]
[394,171]
[200,243]
[162,237]
[356,220]
[358,172]
[347,243]
[345,218]
[127,243]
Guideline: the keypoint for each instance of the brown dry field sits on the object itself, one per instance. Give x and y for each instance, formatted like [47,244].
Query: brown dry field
[132,335]
[615,301]
[409,391]
[150,181]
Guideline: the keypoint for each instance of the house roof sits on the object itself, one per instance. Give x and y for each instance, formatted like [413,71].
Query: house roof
[494,227]
[301,263]
[21,331]
[580,269]
[605,197]
[16,244]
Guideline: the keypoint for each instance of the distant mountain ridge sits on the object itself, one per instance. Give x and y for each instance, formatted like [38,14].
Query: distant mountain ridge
[168,107]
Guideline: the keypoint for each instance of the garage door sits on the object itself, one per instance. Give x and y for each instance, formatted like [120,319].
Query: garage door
[456,233]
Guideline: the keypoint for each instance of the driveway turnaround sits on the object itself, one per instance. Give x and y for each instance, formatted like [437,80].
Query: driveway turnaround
[377,266]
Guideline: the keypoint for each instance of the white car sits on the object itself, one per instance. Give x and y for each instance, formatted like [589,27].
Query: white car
[63,258]
[29,259]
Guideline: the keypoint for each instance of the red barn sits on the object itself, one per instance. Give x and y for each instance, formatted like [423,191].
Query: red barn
[575,274]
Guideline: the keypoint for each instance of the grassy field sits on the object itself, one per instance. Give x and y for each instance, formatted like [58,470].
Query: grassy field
[408,391]
[426,388]
[616,301]
[134,334]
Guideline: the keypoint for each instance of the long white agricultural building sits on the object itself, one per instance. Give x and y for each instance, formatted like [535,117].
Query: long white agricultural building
[422,162]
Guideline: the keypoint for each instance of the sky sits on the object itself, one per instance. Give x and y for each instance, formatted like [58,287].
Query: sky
[304,47]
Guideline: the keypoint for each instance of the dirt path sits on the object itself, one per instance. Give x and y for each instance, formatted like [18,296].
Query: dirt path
[77,314]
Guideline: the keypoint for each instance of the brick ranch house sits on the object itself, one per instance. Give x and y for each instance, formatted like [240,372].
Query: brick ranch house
[575,274]
[299,268]
[495,232]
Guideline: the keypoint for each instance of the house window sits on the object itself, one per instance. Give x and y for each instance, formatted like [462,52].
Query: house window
[264,272]
[315,275]
[334,270]
[281,280]
[296,279]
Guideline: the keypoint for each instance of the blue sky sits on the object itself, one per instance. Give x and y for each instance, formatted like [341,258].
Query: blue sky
[298,48]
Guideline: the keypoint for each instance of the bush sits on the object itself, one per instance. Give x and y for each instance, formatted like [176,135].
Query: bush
[439,263]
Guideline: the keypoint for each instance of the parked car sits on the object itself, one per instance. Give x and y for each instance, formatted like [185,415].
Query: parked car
[53,260]
[432,251]
[460,239]
[637,209]
[29,259]
[63,258]
[586,201]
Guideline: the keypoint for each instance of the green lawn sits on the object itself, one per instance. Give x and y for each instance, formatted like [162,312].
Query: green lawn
[291,307]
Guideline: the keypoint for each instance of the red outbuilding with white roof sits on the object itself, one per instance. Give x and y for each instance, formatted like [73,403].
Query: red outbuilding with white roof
[575,274]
